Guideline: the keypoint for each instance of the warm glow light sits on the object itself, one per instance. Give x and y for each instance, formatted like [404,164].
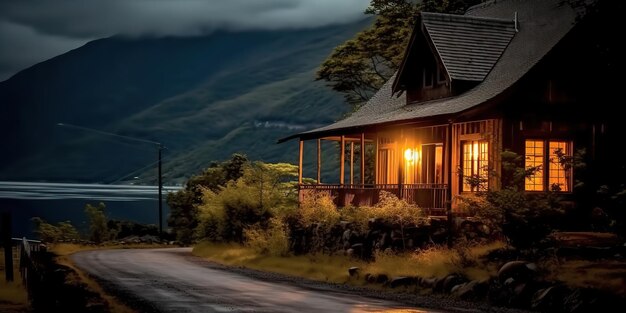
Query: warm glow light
[411,156]
[408,154]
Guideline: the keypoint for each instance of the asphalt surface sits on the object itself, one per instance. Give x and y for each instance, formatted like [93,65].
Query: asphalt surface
[172,280]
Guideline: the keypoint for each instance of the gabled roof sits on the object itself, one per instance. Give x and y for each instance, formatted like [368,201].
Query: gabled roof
[541,24]
[469,46]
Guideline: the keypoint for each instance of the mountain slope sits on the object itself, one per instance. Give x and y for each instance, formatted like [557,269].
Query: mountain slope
[204,98]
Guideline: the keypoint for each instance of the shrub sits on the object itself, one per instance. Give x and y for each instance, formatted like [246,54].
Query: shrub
[318,208]
[272,241]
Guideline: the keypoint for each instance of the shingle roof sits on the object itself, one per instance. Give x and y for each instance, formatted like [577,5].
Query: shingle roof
[469,46]
[541,23]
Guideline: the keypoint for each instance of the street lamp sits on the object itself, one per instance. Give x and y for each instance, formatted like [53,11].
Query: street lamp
[160,149]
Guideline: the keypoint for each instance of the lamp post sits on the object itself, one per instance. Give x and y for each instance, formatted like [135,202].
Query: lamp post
[160,148]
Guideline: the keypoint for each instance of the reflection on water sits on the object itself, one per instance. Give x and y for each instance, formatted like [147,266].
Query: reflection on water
[56,202]
[59,191]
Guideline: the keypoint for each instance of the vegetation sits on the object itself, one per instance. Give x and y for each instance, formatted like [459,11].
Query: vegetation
[63,231]
[361,65]
[184,203]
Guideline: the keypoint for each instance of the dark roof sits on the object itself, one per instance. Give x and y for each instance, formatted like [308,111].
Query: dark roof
[468,46]
[541,24]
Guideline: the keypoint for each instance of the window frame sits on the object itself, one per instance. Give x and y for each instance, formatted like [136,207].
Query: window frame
[546,162]
[479,163]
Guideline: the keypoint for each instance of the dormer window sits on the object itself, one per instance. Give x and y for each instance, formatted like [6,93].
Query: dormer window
[441,76]
[427,78]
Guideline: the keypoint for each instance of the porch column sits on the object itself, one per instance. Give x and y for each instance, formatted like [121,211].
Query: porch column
[362,159]
[300,162]
[319,161]
[449,189]
[376,159]
[342,159]
[351,162]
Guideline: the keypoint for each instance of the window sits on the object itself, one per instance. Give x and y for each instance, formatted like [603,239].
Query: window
[550,158]
[475,165]
[427,78]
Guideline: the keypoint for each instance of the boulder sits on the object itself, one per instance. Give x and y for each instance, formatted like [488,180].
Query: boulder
[451,281]
[382,278]
[401,281]
[353,271]
[428,282]
[473,290]
[518,270]
[548,299]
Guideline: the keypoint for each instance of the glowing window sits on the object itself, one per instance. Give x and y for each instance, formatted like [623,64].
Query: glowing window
[551,158]
[534,160]
[475,165]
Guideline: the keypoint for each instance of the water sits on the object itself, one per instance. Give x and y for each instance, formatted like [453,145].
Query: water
[55,202]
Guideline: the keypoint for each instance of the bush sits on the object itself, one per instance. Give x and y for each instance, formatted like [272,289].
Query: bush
[318,208]
[272,241]
[62,231]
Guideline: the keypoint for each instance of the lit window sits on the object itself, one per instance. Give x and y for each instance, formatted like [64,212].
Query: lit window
[551,158]
[475,162]
[534,160]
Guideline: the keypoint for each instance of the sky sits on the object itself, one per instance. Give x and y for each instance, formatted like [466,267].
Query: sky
[32,31]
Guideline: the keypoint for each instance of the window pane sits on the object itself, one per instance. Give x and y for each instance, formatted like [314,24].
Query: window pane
[475,164]
[534,159]
[559,173]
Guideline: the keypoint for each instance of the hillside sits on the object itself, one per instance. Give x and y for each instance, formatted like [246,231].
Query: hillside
[204,98]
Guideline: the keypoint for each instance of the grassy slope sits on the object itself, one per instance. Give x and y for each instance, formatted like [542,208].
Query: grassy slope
[13,296]
[203,97]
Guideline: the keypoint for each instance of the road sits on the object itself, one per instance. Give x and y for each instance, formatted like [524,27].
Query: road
[172,280]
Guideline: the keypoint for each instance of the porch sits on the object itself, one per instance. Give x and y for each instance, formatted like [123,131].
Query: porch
[431,198]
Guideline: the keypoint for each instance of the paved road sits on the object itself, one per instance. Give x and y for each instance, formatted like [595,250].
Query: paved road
[172,280]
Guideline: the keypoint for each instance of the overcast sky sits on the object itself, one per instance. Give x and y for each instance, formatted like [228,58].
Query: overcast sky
[32,31]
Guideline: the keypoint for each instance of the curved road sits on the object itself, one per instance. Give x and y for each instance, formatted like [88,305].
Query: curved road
[172,280]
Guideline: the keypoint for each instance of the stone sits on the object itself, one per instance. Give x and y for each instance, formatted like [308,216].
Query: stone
[473,290]
[428,282]
[382,278]
[451,281]
[353,271]
[518,270]
[401,281]
[548,299]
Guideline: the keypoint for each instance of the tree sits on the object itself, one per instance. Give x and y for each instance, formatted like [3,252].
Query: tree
[360,66]
[265,190]
[98,229]
[184,203]
[62,231]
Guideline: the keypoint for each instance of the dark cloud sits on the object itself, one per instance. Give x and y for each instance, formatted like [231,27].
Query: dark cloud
[44,28]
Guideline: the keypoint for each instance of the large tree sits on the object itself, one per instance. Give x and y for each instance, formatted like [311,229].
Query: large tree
[360,66]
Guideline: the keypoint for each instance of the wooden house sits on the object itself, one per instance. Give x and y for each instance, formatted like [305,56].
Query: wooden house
[526,76]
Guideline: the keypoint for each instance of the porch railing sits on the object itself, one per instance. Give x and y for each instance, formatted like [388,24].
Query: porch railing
[429,197]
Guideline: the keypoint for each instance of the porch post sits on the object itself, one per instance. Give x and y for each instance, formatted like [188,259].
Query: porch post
[342,159]
[319,161]
[300,162]
[362,159]
[449,187]
[351,162]
[376,160]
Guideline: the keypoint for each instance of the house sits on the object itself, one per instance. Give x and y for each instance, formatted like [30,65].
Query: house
[526,76]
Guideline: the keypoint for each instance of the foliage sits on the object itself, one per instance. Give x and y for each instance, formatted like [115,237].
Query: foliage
[360,66]
[98,229]
[62,231]
[318,208]
[263,191]
[524,218]
[184,203]
[271,241]
[123,229]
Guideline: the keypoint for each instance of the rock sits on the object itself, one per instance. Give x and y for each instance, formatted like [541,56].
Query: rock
[548,299]
[509,281]
[369,278]
[473,290]
[428,282]
[438,287]
[382,278]
[353,271]
[517,270]
[349,252]
[451,281]
[400,281]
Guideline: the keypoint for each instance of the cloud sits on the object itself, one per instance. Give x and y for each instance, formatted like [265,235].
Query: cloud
[21,46]
[96,18]
[44,28]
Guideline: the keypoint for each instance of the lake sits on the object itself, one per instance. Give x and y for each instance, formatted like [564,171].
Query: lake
[55,202]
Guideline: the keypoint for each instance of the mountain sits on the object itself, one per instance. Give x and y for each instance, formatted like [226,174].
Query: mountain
[204,98]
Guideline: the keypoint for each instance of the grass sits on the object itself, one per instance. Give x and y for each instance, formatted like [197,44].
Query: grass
[13,296]
[606,275]
[434,262]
